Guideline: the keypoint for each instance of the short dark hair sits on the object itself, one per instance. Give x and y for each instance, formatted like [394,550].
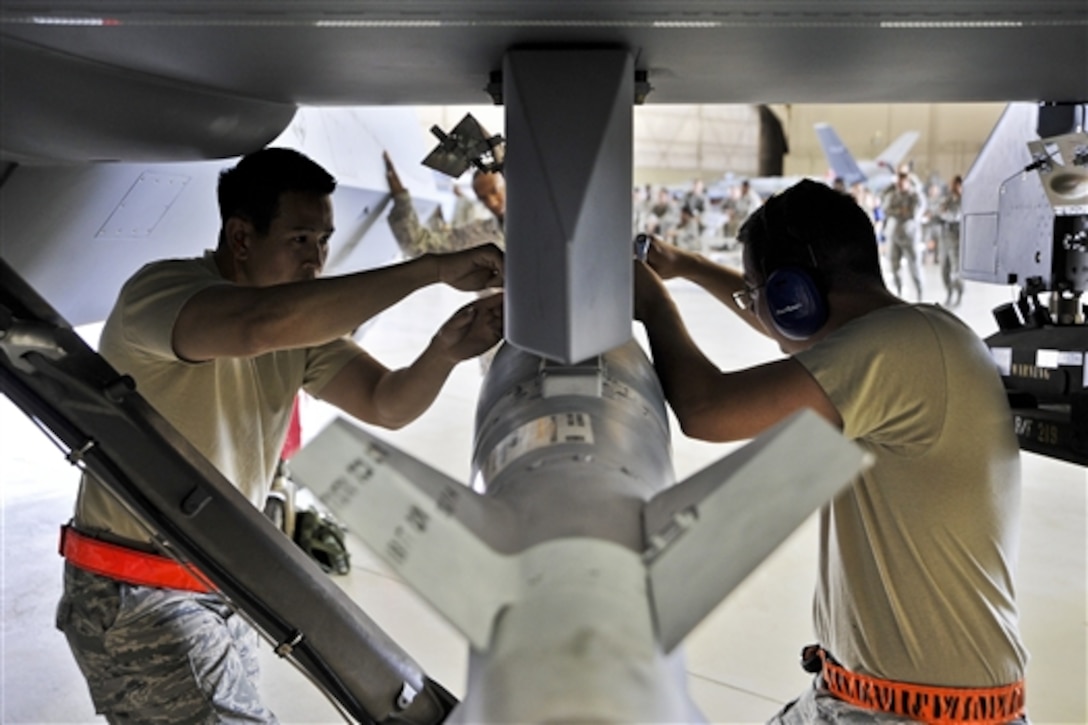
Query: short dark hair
[251,188]
[812,225]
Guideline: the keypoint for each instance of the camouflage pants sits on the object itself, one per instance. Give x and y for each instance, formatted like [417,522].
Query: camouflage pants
[904,244]
[160,655]
[949,259]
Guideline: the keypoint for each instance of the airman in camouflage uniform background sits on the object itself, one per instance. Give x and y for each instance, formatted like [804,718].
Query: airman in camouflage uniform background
[688,234]
[904,206]
[950,212]
[415,239]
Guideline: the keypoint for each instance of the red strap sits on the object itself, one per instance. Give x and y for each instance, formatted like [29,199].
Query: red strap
[129,565]
[294,433]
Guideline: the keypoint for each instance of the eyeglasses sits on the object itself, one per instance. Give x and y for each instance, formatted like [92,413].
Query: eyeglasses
[745,298]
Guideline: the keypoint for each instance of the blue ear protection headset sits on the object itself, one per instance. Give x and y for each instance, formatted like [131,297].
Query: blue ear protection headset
[795,299]
[796,302]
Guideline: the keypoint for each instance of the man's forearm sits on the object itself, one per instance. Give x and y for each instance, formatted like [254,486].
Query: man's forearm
[240,321]
[403,395]
[716,279]
[721,282]
[684,371]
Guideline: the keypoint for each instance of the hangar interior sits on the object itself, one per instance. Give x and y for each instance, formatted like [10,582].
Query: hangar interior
[741,661]
[675,143]
[124,82]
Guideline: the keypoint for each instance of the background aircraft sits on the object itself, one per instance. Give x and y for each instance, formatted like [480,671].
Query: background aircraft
[874,173]
[765,186]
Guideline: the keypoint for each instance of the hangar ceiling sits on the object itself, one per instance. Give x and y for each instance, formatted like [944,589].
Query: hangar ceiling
[194,78]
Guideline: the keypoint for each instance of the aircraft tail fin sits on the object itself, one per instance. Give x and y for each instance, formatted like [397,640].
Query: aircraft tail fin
[431,529]
[709,532]
[892,156]
[839,158]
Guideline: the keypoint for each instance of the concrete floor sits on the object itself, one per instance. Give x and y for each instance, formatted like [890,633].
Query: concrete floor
[742,660]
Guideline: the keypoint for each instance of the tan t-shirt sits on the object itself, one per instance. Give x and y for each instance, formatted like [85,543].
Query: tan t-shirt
[235,411]
[917,557]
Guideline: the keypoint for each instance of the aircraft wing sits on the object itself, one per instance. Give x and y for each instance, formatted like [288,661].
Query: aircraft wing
[77,232]
[876,173]
[190,80]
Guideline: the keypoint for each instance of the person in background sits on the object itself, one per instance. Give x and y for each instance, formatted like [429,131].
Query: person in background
[865,199]
[664,213]
[950,213]
[415,239]
[695,198]
[464,208]
[931,223]
[743,203]
[640,210]
[904,206]
[688,234]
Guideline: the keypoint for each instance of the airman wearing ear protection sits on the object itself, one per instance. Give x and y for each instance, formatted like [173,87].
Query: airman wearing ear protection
[914,594]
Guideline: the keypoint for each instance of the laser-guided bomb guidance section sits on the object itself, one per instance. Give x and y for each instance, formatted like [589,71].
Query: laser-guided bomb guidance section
[576,566]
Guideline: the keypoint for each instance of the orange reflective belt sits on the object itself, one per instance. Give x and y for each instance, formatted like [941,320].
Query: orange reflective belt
[925,703]
[129,565]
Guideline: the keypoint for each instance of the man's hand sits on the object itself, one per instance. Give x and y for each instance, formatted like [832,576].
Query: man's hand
[649,291]
[391,176]
[472,269]
[665,259]
[472,330]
